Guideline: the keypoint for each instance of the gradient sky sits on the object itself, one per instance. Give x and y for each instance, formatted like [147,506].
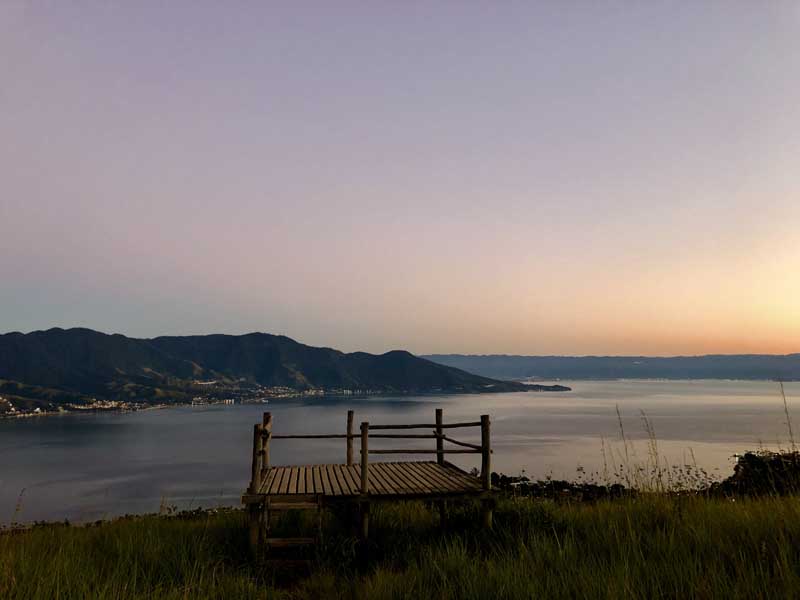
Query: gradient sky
[480,177]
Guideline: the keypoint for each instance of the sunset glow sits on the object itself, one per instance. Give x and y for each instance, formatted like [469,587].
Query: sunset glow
[385,176]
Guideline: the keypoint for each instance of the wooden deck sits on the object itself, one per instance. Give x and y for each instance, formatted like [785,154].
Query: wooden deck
[386,479]
[275,488]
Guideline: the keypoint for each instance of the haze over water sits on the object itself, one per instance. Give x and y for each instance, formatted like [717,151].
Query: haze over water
[85,467]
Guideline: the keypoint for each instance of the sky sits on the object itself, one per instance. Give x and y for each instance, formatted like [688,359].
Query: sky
[473,177]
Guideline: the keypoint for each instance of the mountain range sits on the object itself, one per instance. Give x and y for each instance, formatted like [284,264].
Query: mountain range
[64,366]
[712,366]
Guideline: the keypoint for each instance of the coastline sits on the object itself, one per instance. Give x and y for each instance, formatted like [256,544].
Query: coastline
[57,413]
[536,386]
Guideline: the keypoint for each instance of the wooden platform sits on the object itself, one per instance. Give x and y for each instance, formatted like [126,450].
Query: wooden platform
[277,488]
[386,479]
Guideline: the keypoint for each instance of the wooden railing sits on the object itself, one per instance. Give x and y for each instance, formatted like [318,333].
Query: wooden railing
[262,436]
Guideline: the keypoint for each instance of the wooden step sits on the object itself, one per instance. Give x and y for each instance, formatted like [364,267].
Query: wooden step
[293,506]
[290,542]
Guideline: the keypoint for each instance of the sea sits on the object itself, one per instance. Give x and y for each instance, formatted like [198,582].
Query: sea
[86,467]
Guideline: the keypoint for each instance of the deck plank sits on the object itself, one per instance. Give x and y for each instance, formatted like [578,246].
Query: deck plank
[406,482]
[353,483]
[431,473]
[390,484]
[375,481]
[344,485]
[417,481]
[326,482]
[463,478]
[381,480]
[278,481]
[355,475]
[438,473]
[335,489]
[431,483]
[284,487]
[332,480]
[267,481]
[317,480]
[309,480]
[413,484]
[418,478]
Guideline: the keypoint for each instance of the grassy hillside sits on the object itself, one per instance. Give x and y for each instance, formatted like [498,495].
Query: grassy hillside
[653,546]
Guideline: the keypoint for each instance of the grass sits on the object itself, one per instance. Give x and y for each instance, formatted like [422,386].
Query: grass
[650,546]
[674,533]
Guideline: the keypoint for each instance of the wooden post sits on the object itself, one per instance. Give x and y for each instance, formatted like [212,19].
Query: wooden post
[440,460]
[486,454]
[255,477]
[364,457]
[439,440]
[349,438]
[364,480]
[254,510]
[254,526]
[486,469]
[267,423]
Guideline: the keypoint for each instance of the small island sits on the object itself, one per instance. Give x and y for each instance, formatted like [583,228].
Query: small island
[538,387]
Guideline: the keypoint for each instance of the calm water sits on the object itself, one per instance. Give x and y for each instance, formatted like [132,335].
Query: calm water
[84,467]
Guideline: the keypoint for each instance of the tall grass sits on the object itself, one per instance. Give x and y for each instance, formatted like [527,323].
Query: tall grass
[134,558]
[793,445]
[651,546]
[652,473]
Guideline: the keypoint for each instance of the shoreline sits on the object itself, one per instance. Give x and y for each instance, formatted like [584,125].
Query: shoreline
[57,413]
[530,383]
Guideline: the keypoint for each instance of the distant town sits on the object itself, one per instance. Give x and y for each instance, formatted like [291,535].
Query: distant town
[213,392]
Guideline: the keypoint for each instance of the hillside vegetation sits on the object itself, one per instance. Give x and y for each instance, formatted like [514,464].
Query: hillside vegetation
[78,365]
[651,546]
